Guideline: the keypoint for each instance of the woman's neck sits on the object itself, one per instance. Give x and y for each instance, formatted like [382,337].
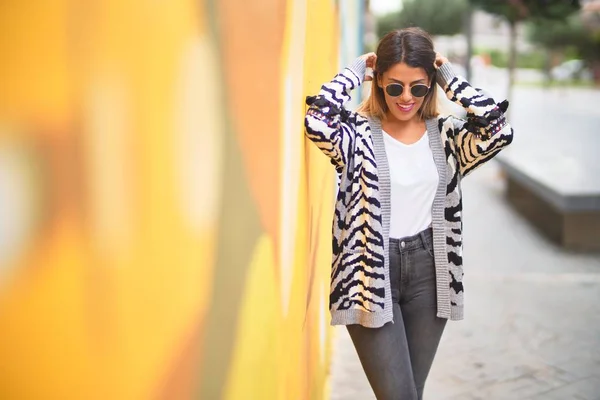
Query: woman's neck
[405,131]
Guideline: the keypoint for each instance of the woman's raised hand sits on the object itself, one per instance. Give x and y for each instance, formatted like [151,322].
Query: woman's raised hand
[370,60]
[439,60]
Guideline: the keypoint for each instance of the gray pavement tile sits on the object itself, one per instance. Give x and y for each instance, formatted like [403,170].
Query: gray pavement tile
[581,368]
[585,389]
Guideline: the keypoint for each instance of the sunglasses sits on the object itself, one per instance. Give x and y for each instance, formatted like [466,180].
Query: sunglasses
[396,89]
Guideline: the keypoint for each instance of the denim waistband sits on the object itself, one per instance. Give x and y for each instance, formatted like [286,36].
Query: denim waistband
[423,239]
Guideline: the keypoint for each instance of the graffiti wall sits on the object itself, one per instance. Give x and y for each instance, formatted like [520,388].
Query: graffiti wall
[164,225]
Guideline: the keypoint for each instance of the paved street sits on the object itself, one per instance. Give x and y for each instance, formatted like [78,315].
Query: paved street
[532,311]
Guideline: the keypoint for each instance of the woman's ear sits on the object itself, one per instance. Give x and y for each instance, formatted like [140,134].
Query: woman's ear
[379,80]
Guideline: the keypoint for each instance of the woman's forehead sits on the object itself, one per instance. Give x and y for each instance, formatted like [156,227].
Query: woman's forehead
[404,73]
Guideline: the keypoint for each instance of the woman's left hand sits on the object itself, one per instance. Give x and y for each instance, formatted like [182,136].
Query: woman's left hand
[439,60]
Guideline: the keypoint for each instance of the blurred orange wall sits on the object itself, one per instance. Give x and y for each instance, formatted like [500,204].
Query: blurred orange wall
[164,225]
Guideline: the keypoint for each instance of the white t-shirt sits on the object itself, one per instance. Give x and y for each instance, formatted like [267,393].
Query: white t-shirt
[414,180]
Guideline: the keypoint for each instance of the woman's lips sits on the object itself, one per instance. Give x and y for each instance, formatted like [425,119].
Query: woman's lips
[405,107]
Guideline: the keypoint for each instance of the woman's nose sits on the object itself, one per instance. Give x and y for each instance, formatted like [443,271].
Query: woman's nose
[406,96]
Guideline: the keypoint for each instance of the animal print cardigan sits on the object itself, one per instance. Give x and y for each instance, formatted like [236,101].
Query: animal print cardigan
[360,279]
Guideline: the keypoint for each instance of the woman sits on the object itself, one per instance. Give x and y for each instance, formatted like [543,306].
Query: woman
[397,229]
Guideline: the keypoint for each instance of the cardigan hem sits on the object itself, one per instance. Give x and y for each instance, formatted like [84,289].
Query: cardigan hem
[456,313]
[453,313]
[360,317]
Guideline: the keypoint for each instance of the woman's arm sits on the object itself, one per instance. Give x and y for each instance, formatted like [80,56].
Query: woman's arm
[485,131]
[328,124]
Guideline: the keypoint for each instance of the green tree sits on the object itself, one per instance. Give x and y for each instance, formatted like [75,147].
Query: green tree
[570,34]
[555,37]
[515,11]
[591,52]
[557,34]
[438,17]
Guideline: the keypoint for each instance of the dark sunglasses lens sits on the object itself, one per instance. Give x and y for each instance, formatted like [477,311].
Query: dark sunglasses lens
[394,89]
[419,90]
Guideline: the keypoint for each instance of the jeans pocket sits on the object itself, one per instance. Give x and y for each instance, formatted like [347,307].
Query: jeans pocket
[429,249]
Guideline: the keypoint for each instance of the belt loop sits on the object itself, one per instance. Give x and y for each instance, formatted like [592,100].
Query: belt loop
[423,239]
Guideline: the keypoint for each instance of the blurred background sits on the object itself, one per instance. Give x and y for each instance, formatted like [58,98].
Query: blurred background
[165,227]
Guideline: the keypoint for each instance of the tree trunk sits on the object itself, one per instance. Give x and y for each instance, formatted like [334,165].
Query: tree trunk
[512,59]
[548,57]
[595,67]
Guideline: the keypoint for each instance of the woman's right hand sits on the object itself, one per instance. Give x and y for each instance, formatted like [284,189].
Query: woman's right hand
[439,60]
[370,60]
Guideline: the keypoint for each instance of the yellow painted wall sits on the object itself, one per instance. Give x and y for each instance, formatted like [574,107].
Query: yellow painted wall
[164,225]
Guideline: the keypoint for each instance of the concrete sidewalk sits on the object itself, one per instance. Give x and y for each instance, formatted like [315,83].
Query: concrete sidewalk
[532,314]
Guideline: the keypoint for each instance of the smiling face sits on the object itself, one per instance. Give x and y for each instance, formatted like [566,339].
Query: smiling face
[405,106]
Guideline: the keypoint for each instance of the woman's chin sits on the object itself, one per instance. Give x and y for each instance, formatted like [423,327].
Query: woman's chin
[402,116]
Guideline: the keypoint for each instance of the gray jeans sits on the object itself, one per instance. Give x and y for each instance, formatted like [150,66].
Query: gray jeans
[397,357]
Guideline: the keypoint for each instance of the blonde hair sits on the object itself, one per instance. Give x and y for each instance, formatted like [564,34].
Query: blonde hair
[414,47]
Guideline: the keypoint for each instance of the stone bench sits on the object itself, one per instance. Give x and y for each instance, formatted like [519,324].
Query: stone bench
[558,193]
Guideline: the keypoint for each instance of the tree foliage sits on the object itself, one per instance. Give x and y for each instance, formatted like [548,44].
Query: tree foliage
[438,17]
[558,34]
[568,33]
[519,10]
[514,11]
